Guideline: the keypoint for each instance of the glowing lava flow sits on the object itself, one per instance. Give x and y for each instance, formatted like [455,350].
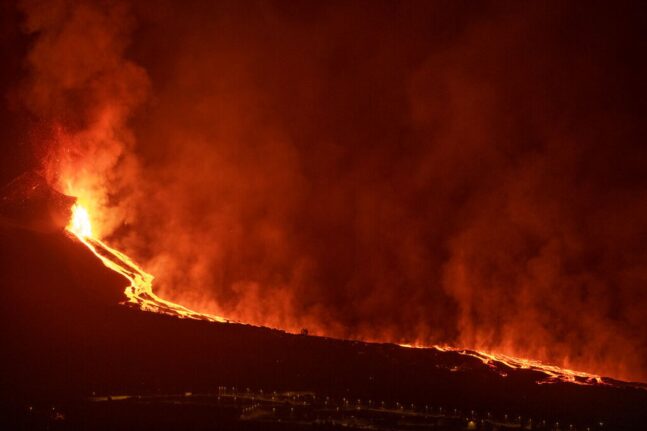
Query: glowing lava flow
[553,373]
[140,290]
[140,293]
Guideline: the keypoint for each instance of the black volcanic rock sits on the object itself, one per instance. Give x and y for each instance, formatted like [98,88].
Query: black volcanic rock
[65,337]
[28,202]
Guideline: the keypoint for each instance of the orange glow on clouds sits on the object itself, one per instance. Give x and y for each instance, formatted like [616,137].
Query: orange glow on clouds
[387,181]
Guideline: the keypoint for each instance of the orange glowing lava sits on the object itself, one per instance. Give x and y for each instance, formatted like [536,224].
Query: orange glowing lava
[140,294]
[140,290]
[553,373]
[80,222]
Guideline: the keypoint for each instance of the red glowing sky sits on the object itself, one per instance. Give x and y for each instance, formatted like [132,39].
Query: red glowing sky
[435,172]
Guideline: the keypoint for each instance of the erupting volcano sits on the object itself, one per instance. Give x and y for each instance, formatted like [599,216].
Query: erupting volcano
[430,194]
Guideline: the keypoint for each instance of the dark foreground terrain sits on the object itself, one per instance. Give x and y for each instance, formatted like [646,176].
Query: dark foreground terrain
[74,359]
[232,408]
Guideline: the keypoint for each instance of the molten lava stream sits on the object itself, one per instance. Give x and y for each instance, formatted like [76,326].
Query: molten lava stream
[553,373]
[140,291]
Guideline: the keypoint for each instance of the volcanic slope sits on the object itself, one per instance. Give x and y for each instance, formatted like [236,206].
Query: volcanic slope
[65,337]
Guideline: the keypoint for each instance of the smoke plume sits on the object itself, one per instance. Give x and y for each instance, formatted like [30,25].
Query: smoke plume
[84,90]
[437,172]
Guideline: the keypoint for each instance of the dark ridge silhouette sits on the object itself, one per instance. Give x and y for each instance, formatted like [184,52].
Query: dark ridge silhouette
[28,202]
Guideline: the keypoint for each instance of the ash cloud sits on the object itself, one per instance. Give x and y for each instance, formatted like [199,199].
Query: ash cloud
[460,173]
[81,90]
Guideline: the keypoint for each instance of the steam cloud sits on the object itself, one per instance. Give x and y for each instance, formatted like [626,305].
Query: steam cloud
[431,172]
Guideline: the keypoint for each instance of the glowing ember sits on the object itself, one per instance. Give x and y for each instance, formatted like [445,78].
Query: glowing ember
[140,290]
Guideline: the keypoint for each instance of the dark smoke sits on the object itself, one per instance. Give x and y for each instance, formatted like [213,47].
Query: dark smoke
[435,172]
